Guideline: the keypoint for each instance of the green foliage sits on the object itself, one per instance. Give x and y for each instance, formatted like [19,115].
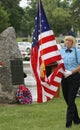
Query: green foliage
[61,21]
[61,16]
[14,11]
[76,14]
[27,24]
[4,19]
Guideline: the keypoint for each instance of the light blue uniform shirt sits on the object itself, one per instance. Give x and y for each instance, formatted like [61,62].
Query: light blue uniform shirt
[71,59]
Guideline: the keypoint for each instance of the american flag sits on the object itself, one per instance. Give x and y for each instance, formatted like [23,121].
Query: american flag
[45,52]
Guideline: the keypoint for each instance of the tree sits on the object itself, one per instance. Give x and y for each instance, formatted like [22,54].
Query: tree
[4,19]
[76,14]
[27,23]
[14,11]
[60,14]
[61,21]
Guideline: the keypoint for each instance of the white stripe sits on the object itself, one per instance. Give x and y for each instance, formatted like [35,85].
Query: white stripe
[44,99]
[54,88]
[61,70]
[60,61]
[50,54]
[47,44]
[48,94]
[44,94]
[45,34]
[51,87]
[57,79]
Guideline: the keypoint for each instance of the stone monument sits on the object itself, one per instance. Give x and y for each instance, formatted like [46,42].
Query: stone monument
[11,68]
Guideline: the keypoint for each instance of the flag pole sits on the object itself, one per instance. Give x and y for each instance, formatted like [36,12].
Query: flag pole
[43,64]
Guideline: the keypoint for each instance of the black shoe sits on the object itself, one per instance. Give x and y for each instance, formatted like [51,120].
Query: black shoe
[77,122]
[68,125]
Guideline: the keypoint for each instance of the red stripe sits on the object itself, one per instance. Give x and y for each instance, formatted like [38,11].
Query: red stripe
[55,72]
[48,98]
[52,59]
[54,83]
[34,62]
[49,91]
[59,74]
[46,39]
[49,49]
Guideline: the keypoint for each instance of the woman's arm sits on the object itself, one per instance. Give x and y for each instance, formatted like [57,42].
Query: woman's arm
[76,70]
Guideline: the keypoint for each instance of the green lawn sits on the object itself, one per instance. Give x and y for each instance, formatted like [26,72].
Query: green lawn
[20,39]
[44,116]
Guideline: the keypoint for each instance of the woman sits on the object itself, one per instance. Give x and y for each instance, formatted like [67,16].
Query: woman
[71,79]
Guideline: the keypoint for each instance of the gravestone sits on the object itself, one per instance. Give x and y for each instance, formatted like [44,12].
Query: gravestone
[11,71]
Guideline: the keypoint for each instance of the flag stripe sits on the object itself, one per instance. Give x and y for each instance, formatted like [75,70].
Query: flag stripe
[46,39]
[59,74]
[57,79]
[49,91]
[45,34]
[48,95]
[49,49]
[48,44]
[52,59]
[50,55]
[53,88]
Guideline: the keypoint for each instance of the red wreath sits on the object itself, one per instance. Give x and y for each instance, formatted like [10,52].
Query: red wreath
[24,95]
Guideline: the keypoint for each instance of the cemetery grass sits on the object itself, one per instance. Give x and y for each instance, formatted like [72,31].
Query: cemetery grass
[43,116]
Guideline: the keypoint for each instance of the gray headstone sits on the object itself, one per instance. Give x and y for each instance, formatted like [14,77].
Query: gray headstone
[11,72]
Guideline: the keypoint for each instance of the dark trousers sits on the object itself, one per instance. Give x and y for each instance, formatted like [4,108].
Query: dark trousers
[70,87]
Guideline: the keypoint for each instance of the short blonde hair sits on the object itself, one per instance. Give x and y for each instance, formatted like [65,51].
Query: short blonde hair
[70,38]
